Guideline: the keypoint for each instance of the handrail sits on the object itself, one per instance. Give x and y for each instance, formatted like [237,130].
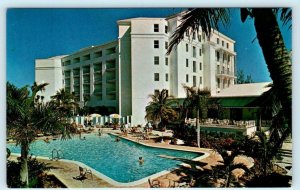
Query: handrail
[57,154]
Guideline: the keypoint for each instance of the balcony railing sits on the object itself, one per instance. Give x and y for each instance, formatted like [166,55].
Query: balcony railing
[98,81]
[225,73]
[110,80]
[98,91]
[110,91]
[110,69]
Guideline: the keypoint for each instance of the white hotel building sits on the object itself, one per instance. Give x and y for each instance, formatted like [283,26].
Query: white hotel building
[121,74]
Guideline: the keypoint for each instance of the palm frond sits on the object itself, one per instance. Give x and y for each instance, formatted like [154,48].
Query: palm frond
[194,19]
[285,15]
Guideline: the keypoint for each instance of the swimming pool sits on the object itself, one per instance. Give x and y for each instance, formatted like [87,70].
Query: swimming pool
[116,160]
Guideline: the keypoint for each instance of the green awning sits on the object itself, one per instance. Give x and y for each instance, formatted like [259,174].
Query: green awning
[237,102]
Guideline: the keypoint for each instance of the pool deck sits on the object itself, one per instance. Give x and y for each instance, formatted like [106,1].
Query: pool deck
[65,171]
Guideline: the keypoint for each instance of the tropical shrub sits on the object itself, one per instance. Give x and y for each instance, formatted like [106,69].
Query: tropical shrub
[36,173]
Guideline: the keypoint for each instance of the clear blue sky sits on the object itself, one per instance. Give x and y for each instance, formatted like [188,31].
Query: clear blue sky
[43,33]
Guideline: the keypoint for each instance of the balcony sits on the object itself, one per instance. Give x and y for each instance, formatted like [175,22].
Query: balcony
[225,74]
[99,81]
[111,80]
[97,71]
[110,69]
[111,91]
[86,81]
[76,84]
[98,92]
[76,74]
[110,51]
[221,48]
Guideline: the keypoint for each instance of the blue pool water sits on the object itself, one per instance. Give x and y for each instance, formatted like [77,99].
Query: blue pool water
[117,160]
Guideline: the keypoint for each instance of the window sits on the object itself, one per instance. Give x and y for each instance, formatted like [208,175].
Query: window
[156,92]
[200,52]
[194,81]
[187,78]
[228,83]
[227,45]
[166,29]
[194,66]
[228,58]
[167,61]
[218,56]
[199,38]
[187,33]
[156,28]
[156,60]
[187,63]
[156,44]
[218,41]
[222,43]
[194,51]
[156,76]
[200,66]
[200,80]
[167,77]
[167,93]
[218,69]
[218,82]
[187,47]
[166,45]
[228,71]
[194,36]
[224,56]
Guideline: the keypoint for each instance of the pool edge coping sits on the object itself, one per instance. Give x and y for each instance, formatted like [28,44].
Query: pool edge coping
[129,184]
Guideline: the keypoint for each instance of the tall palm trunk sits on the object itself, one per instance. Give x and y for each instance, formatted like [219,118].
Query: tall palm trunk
[276,56]
[228,178]
[198,127]
[278,61]
[24,163]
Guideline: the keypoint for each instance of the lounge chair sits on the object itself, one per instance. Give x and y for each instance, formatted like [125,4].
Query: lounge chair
[154,183]
[83,174]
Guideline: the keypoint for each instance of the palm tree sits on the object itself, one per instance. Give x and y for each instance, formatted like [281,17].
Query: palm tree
[228,165]
[197,99]
[26,115]
[159,109]
[65,101]
[269,37]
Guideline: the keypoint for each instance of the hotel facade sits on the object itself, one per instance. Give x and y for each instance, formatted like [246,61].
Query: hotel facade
[121,74]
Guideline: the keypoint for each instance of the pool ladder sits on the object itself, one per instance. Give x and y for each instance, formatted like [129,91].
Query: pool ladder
[57,154]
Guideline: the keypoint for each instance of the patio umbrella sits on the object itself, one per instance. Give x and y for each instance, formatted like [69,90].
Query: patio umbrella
[115,116]
[94,115]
